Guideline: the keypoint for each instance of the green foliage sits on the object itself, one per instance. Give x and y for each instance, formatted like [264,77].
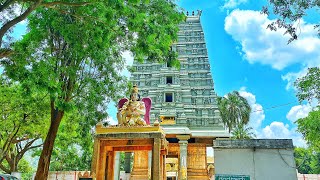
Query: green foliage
[74,144]
[308,86]
[25,169]
[242,132]
[234,109]
[23,119]
[307,161]
[73,54]
[310,128]
[288,13]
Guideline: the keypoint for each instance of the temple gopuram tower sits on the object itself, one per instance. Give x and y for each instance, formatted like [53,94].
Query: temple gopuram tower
[184,102]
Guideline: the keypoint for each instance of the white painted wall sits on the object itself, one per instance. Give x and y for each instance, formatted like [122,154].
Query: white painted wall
[260,164]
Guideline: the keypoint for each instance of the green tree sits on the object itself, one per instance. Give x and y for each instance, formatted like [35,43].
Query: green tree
[25,168]
[315,164]
[22,120]
[242,132]
[74,144]
[234,109]
[288,13]
[307,160]
[308,86]
[75,56]
[14,11]
[309,127]
[303,159]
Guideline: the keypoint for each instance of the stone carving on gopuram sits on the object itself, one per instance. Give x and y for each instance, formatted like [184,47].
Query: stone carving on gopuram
[130,110]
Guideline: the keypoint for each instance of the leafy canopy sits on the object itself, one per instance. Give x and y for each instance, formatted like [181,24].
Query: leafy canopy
[288,13]
[310,127]
[235,110]
[73,54]
[307,161]
[308,86]
[242,132]
[23,120]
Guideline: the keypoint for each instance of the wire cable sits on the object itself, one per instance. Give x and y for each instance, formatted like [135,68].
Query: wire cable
[273,107]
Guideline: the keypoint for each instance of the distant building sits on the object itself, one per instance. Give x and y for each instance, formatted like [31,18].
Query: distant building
[255,159]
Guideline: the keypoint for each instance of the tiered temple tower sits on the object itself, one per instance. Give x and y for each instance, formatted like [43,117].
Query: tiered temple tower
[184,101]
[182,97]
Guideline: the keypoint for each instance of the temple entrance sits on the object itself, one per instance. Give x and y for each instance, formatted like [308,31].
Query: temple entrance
[148,144]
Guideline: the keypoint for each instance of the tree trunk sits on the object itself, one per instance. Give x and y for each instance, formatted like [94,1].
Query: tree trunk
[44,161]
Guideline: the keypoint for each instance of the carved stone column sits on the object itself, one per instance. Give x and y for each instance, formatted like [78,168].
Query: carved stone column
[110,165]
[156,166]
[140,166]
[197,162]
[183,143]
[117,165]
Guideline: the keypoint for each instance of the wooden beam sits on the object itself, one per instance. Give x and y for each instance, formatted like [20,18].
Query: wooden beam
[119,143]
[133,148]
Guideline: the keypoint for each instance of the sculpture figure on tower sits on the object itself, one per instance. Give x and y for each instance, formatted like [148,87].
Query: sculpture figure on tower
[131,110]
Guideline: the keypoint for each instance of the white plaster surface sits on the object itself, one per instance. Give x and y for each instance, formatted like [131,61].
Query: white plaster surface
[259,164]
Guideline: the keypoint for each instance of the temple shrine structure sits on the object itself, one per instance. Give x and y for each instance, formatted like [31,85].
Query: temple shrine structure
[184,117]
[171,118]
[184,100]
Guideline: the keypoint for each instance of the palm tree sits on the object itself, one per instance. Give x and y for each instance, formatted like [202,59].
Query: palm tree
[234,109]
[242,132]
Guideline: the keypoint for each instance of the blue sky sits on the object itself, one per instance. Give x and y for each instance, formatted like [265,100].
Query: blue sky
[246,57]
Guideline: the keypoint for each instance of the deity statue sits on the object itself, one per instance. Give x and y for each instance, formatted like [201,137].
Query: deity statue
[131,110]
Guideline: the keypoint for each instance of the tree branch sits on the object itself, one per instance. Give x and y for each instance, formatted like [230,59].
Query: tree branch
[6,4]
[5,52]
[18,19]
[9,141]
[2,167]
[27,147]
[51,4]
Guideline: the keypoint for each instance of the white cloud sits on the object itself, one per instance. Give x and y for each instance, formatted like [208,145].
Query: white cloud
[278,130]
[257,114]
[260,45]
[127,55]
[112,110]
[297,112]
[112,121]
[112,113]
[292,76]
[231,4]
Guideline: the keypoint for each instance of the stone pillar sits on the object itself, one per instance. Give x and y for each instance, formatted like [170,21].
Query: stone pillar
[95,157]
[156,172]
[183,143]
[163,169]
[117,166]
[110,165]
[149,163]
[101,166]
[140,166]
[197,162]
[127,162]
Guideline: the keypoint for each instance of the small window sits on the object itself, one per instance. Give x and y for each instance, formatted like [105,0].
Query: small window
[169,97]
[169,79]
